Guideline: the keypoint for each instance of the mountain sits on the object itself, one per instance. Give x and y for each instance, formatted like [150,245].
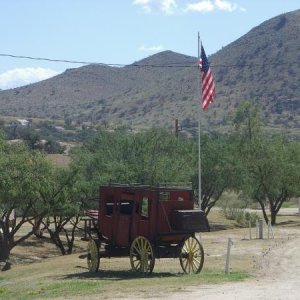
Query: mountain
[138,93]
[262,66]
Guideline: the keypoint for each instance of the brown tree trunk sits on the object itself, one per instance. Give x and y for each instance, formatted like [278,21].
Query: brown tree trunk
[4,252]
[263,208]
[273,212]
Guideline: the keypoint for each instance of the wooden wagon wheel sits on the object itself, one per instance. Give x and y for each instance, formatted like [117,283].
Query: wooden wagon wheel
[191,255]
[93,258]
[142,257]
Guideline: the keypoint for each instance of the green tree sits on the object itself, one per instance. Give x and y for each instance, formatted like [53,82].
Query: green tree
[218,171]
[37,192]
[152,157]
[63,209]
[52,147]
[276,176]
[23,174]
[270,164]
[31,138]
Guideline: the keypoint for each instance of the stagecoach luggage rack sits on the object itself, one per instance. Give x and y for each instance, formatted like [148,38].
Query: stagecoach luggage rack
[189,220]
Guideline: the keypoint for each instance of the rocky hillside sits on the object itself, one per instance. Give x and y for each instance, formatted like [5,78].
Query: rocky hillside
[262,66]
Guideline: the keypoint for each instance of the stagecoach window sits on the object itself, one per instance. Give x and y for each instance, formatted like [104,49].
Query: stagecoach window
[109,208]
[126,207]
[145,207]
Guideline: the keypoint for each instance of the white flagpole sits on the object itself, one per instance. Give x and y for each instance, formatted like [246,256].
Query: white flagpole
[199,127]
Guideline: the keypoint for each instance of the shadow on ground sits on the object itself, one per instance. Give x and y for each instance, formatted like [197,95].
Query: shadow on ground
[118,275]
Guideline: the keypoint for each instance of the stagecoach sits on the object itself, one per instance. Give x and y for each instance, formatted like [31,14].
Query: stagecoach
[147,222]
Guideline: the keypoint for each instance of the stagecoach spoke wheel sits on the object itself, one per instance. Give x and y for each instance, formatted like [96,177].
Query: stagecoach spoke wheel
[93,256]
[191,256]
[142,257]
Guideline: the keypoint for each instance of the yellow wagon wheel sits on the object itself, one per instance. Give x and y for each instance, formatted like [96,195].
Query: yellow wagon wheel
[142,257]
[93,256]
[191,256]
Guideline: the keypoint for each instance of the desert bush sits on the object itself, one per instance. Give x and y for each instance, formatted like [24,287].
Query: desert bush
[241,216]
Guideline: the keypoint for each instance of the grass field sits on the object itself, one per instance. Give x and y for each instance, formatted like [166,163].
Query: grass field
[40,272]
[68,277]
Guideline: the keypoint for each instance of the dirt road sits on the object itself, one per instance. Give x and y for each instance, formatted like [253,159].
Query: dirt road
[279,278]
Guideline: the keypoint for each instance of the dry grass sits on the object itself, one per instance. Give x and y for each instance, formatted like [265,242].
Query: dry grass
[45,274]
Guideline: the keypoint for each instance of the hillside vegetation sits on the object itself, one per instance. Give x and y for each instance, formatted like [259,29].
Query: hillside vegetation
[262,66]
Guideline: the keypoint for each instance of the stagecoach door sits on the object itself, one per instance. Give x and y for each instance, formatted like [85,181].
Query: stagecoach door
[142,211]
[123,222]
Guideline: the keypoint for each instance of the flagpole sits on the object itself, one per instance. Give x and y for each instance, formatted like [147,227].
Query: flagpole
[199,129]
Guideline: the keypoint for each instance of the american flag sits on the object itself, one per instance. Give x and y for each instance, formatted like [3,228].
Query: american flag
[92,213]
[208,86]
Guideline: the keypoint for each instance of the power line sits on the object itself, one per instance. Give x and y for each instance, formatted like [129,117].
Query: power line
[169,65]
[49,59]
[97,63]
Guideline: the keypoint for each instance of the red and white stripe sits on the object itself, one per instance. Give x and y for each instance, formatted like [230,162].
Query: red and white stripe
[208,89]
[208,86]
[92,213]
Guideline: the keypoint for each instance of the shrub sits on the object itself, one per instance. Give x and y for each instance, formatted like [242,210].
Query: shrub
[241,216]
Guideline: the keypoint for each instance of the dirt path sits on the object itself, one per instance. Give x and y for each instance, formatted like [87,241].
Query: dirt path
[279,278]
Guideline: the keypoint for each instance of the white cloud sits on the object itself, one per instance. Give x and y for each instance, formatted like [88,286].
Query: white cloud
[225,5]
[22,76]
[205,6]
[177,6]
[166,6]
[151,48]
[202,6]
[145,4]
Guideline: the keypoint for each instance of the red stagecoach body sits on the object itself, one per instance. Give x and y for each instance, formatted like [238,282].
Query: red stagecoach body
[163,218]
[126,212]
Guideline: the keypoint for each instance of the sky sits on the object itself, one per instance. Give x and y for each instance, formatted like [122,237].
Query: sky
[118,31]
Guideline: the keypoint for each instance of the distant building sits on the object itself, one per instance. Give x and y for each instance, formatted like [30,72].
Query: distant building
[21,123]
[59,128]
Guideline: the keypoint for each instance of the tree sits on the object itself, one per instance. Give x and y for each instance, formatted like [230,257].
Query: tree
[157,156]
[270,164]
[31,138]
[276,176]
[37,192]
[51,147]
[151,157]
[23,174]
[64,209]
[217,169]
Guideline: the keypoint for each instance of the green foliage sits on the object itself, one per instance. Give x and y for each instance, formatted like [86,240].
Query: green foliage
[152,157]
[34,189]
[270,165]
[112,283]
[3,290]
[51,146]
[217,168]
[147,96]
[241,216]
[22,176]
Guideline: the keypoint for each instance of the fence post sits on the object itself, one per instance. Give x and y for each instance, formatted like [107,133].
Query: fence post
[230,243]
[261,229]
[270,229]
[250,230]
